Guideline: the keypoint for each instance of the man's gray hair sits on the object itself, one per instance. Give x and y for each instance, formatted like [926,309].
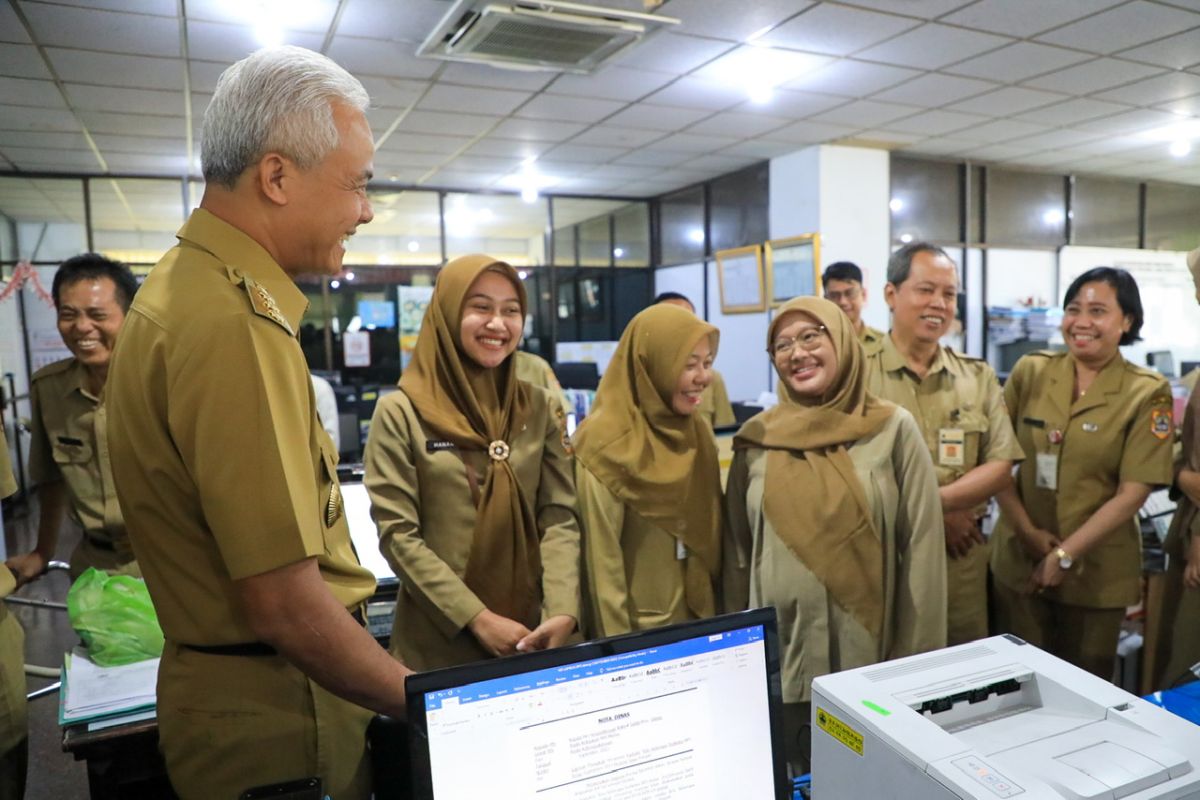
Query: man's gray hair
[275,100]
[900,264]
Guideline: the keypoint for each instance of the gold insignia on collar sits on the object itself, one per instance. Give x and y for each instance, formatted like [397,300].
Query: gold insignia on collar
[265,305]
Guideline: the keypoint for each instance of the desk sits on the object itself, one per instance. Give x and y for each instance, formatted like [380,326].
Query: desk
[123,762]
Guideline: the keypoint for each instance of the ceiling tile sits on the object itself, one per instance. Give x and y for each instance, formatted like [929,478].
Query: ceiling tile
[64,159]
[131,34]
[933,46]
[760,148]
[794,104]
[1094,76]
[655,117]
[1024,17]
[11,29]
[925,9]
[836,30]
[442,144]
[390,160]
[512,148]
[934,90]
[805,132]
[473,98]
[694,143]
[493,77]
[851,78]
[452,179]
[616,136]
[1111,144]
[25,92]
[1178,52]
[692,92]
[203,75]
[940,147]
[1053,159]
[738,124]
[1187,106]
[584,153]
[935,123]
[652,157]
[396,93]
[161,8]
[1000,130]
[717,164]
[612,83]
[1018,61]
[22,61]
[133,124]
[730,21]
[139,72]
[312,16]
[997,152]
[671,52]
[1054,139]
[1125,26]
[753,65]
[1130,122]
[619,172]
[410,21]
[568,109]
[536,130]
[214,41]
[891,140]
[501,166]
[64,141]
[142,164]
[438,122]
[375,57]
[135,101]
[1072,111]
[1161,89]
[864,114]
[109,143]
[1007,101]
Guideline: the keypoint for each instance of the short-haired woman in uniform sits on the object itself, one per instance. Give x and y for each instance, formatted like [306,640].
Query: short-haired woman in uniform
[471,484]
[648,481]
[1097,434]
[833,514]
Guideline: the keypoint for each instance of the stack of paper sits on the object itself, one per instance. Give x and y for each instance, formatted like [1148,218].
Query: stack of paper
[1043,323]
[90,691]
[1005,325]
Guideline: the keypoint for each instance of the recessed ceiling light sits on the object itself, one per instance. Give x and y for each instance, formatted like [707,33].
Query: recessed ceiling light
[906,238]
[1053,216]
[696,235]
[1180,148]
[414,246]
[896,205]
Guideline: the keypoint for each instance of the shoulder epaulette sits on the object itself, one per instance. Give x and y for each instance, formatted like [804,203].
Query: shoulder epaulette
[261,300]
[60,366]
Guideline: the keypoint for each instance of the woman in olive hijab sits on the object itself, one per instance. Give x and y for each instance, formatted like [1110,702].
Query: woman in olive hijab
[648,481]
[833,514]
[471,485]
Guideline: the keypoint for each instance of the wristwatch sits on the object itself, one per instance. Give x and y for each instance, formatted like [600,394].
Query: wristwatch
[1064,558]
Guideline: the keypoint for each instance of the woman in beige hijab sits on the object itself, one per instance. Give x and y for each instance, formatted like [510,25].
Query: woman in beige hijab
[471,485]
[833,514]
[648,481]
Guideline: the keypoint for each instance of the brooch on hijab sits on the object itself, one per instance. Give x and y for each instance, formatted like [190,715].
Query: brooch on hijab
[498,450]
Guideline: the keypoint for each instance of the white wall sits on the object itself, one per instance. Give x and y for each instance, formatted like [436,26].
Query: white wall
[742,360]
[687,279]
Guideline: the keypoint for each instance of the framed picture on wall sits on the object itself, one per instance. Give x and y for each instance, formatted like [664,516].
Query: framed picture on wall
[793,267]
[740,278]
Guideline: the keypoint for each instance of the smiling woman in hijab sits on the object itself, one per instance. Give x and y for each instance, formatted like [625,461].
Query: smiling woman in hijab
[471,485]
[834,516]
[648,481]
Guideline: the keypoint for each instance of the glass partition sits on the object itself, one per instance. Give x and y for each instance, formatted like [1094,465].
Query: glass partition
[503,226]
[738,208]
[1026,208]
[681,222]
[406,230]
[926,200]
[1172,211]
[631,235]
[135,221]
[1104,212]
[48,217]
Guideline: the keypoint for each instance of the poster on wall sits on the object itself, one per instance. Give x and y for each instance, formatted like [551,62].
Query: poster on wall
[356,349]
[793,267]
[413,300]
[740,280]
[1172,316]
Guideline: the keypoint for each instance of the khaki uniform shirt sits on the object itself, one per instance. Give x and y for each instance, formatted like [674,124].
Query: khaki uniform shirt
[421,499]
[958,408]
[715,407]
[536,371]
[817,635]
[871,339]
[1121,430]
[222,467]
[8,483]
[635,577]
[70,444]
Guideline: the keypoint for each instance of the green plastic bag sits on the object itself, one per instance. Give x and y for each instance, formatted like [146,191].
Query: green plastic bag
[115,618]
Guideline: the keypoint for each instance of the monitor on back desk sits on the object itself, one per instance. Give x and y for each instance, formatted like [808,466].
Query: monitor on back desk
[691,710]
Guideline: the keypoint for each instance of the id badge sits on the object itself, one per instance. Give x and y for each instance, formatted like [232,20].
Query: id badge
[951,443]
[680,550]
[1047,471]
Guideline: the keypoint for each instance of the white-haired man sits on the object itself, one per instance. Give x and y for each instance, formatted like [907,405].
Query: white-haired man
[225,476]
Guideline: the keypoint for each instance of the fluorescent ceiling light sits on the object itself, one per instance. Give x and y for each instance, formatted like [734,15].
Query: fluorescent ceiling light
[1180,148]
[759,70]
[1185,130]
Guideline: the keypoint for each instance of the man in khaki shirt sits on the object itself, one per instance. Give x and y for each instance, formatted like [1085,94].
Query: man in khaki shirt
[714,407]
[227,481]
[843,285]
[957,403]
[68,455]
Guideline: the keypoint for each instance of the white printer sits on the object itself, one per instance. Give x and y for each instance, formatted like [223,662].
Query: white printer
[996,718]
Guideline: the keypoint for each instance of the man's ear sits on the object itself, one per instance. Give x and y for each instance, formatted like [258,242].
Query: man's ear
[889,295]
[273,173]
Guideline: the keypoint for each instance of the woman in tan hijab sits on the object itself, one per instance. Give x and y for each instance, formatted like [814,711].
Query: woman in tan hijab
[648,481]
[470,483]
[833,514]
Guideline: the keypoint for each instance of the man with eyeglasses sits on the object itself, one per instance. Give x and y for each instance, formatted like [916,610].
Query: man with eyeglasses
[843,285]
[957,403]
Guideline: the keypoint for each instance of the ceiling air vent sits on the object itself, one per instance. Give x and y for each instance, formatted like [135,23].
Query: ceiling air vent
[548,35]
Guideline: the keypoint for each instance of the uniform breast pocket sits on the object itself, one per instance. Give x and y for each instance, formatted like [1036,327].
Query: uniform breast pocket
[974,430]
[68,454]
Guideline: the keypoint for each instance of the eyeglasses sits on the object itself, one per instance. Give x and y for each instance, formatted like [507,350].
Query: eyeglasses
[850,294]
[809,340]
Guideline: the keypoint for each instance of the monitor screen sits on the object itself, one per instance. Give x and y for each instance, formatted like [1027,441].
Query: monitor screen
[377,314]
[687,711]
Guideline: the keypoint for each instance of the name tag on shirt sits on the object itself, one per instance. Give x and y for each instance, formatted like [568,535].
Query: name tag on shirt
[951,443]
[1047,471]
[435,445]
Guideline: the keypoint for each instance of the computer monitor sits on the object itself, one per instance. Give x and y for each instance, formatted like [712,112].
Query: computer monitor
[691,710]
[1163,361]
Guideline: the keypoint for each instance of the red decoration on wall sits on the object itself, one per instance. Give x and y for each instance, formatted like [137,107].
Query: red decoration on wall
[22,274]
